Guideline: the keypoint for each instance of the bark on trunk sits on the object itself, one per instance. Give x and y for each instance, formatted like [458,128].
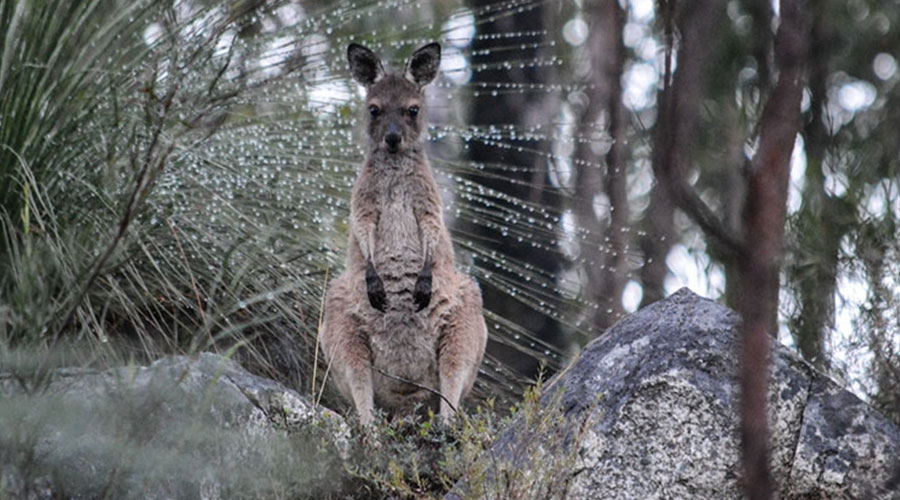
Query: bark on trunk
[764,217]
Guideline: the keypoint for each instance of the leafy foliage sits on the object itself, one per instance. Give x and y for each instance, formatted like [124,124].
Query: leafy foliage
[421,458]
[181,180]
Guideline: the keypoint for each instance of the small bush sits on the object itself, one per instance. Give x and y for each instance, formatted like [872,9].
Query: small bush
[528,454]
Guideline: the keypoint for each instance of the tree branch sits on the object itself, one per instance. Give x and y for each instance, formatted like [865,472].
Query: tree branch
[687,199]
[417,386]
[679,105]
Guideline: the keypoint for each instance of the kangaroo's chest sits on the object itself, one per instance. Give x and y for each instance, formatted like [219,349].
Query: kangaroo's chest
[397,236]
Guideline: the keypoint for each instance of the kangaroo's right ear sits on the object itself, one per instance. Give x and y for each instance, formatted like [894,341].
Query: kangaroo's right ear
[365,66]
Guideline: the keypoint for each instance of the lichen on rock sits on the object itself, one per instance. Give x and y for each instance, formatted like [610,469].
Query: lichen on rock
[667,424]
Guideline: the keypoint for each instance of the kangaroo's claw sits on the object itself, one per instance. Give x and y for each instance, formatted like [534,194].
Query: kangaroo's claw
[375,289]
[422,291]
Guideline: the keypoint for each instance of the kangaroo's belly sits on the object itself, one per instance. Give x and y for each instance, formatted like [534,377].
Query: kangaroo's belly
[404,360]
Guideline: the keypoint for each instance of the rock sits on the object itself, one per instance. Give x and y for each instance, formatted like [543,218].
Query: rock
[183,427]
[650,410]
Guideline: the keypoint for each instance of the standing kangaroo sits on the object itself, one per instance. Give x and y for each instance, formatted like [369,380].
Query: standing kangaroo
[401,319]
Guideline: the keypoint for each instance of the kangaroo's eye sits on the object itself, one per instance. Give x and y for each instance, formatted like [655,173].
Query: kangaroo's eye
[413,111]
[374,110]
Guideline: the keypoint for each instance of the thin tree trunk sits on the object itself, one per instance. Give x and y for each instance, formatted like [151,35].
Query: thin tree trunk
[822,221]
[678,110]
[734,192]
[603,248]
[522,110]
[764,217]
[758,249]
[655,244]
[761,13]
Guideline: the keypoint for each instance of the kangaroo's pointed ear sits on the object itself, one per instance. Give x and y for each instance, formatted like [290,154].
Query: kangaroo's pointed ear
[423,65]
[365,66]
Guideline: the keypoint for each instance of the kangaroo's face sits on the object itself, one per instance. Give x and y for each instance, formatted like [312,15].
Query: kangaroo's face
[395,104]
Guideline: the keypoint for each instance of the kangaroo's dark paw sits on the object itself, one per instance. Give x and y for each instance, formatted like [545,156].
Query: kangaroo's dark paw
[375,289]
[422,291]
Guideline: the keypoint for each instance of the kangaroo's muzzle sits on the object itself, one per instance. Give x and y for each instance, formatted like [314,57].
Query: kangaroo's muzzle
[393,137]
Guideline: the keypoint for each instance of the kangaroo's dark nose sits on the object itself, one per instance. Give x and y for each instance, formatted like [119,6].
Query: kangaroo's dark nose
[393,137]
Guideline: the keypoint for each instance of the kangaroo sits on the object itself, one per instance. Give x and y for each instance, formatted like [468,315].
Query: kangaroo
[401,323]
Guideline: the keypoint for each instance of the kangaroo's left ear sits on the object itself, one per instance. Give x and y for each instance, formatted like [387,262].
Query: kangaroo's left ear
[423,65]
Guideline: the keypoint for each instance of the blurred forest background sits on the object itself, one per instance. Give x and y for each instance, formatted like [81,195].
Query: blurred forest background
[176,174]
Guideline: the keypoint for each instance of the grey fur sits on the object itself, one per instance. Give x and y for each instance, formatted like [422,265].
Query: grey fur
[365,66]
[397,228]
[424,64]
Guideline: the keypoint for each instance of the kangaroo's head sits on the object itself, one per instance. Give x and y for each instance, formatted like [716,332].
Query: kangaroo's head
[395,102]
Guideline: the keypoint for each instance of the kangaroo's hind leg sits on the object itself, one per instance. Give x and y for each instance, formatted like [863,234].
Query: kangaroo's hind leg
[463,336]
[346,349]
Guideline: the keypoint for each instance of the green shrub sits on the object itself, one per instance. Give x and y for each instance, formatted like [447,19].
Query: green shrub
[528,454]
